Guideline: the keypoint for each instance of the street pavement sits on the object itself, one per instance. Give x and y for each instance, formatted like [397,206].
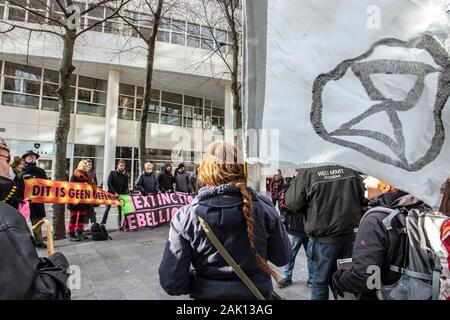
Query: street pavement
[126,268]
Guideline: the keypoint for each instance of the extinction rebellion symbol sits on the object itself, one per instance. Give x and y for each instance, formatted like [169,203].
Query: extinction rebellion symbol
[363,69]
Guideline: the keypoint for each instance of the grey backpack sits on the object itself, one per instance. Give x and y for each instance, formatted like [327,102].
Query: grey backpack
[423,273]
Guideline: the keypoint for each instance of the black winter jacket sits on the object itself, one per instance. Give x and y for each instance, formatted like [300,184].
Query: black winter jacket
[211,277]
[371,247]
[292,221]
[147,183]
[118,182]
[331,198]
[37,210]
[166,180]
[23,275]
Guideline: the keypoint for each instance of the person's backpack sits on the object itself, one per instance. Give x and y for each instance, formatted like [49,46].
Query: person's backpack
[99,233]
[425,271]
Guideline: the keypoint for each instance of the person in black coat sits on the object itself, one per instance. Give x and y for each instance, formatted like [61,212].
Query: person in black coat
[23,275]
[37,210]
[9,191]
[166,179]
[147,182]
[117,185]
[372,245]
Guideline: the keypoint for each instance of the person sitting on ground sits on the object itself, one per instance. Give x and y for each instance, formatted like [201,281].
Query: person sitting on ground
[182,181]
[245,223]
[373,244]
[166,179]
[78,212]
[147,182]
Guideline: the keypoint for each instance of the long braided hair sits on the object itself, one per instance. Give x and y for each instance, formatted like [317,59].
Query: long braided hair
[223,164]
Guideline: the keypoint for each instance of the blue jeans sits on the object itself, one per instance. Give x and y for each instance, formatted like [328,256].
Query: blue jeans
[325,256]
[297,242]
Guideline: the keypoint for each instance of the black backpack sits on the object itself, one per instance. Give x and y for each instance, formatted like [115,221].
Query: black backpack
[99,232]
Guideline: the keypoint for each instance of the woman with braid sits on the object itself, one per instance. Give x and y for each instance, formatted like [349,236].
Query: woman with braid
[245,223]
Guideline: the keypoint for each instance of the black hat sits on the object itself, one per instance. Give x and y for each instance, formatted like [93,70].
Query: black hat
[30,152]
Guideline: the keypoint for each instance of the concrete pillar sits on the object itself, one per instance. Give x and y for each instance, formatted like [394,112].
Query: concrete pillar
[229,115]
[112,109]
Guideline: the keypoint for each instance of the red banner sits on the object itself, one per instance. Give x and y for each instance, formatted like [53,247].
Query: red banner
[62,192]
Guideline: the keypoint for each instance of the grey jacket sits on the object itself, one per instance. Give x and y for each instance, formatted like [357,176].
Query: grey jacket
[183,183]
[191,264]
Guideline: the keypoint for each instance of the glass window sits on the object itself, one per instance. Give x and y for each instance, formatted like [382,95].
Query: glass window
[98,26]
[50,90]
[112,27]
[2,12]
[125,114]
[51,76]
[38,4]
[98,12]
[171,108]
[178,38]
[193,101]
[91,109]
[126,89]
[20,70]
[207,32]
[193,42]
[12,84]
[154,106]
[88,151]
[16,14]
[92,83]
[218,112]
[172,97]
[221,35]
[31,87]
[124,152]
[171,120]
[188,111]
[145,19]
[84,95]
[165,24]
[126,102]
[207,44]
[146,32]
[50,104]
[193,29]
[153,117]
[99,97]
[178,26]
[20,100]
[163,36]
[36,18]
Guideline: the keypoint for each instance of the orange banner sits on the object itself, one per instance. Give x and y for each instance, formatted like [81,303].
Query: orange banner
[62,192]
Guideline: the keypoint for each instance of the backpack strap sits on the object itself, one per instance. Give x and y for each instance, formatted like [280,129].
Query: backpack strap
[437,278]
[412,274]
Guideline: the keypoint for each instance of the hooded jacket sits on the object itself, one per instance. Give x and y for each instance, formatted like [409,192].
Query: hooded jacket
[23,275]
[211,277]
[166,179]
[331,198]
[371,247]
[147,183]
[183,183]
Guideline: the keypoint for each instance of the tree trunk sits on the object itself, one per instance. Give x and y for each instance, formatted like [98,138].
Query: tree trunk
[148,84]
[62,130]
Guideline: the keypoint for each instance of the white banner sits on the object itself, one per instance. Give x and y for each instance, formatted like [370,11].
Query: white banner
[361,83]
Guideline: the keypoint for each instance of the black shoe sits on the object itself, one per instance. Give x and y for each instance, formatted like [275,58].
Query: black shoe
[74,236]
[81,235]
[284,283]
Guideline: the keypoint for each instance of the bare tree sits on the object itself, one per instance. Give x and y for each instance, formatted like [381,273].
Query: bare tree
[223,14]
[61,18]
[157,10]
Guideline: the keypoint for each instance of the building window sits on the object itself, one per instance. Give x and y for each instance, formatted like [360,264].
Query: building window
[91,96]
[22,86]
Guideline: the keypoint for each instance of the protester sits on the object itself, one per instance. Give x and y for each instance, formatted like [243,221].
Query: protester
[37,210]
[78,212]
[372,247]
[296,232]
[331,198]
[445,205]
[166,179]
[147,182]
[193,181]
[245,223]
[182,180]
[9,192]
[276,186]
[91,216]
[117,184]
[17,167]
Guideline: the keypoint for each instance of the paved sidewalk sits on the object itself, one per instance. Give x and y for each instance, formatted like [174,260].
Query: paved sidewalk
[126,268]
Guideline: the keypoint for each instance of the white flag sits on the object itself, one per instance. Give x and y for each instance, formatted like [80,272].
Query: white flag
[361,83]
